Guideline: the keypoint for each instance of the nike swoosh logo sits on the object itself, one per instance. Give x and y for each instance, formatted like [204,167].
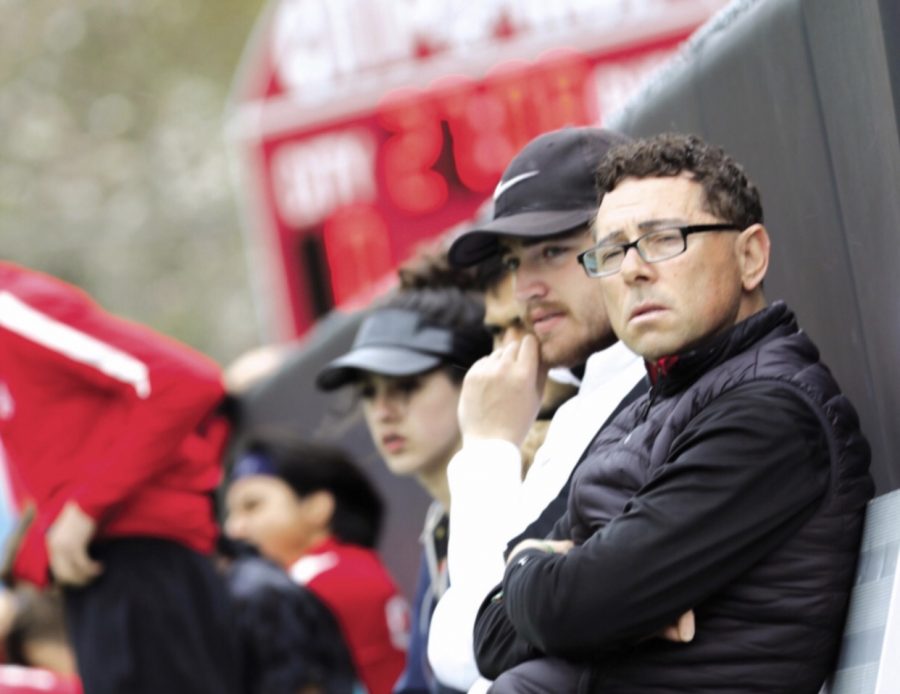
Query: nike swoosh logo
[504,186]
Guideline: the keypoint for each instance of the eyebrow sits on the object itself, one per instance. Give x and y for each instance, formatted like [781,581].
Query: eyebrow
[647,225]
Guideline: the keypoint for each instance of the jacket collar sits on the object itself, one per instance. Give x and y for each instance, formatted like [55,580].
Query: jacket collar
[670,374]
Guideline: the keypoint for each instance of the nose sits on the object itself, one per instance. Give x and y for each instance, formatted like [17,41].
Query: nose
[383,405]
[235,527]
[634,267]
[528,284]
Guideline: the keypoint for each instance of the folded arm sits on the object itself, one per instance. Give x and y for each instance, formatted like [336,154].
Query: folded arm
[742,478]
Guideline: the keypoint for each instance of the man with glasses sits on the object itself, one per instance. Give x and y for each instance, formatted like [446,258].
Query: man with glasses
[735,488]
[543,207]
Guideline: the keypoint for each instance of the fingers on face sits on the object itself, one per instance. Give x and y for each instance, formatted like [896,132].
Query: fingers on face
[507,350]
[530,349]
[512,350]
[516,356]
[498,357]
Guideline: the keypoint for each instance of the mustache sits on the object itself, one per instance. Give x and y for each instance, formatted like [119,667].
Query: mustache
[539,306]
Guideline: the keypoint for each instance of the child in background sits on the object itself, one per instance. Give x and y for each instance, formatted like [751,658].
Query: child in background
[306,507]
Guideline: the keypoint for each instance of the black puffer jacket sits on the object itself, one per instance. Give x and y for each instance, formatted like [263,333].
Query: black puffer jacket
[736,488]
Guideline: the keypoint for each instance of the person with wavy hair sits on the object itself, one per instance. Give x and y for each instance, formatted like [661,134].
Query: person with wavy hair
[407,363]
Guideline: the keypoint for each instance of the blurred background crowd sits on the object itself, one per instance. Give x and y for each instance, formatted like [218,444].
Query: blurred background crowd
[114,173]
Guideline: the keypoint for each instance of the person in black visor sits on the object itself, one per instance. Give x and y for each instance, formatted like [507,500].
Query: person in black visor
[407,363]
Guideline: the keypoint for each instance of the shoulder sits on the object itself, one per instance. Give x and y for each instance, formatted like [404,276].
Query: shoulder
[348,569]
[761,422]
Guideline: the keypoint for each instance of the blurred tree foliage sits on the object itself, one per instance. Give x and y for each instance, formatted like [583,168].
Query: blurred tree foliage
[113,168]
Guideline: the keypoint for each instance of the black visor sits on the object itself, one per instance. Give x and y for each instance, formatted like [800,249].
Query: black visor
[396,342]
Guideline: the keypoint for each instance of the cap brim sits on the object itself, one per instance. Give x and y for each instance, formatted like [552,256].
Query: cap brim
[478,244]
[382,360]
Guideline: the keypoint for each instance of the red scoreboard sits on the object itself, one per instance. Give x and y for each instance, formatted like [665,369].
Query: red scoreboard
[362,128]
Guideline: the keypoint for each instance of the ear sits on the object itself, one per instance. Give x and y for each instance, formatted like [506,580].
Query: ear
[320,506]
[753,256]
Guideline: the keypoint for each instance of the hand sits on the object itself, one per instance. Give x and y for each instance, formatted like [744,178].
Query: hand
[682,631]
[501,394]
[9,612]
[549,546]
[67,544]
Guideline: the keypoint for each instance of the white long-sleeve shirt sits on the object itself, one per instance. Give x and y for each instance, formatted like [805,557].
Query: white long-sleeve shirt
[490,504]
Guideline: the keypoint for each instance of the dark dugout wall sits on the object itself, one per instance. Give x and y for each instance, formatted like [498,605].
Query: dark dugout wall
[806,94]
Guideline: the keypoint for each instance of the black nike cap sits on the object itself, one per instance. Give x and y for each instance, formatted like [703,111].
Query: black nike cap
[548,189]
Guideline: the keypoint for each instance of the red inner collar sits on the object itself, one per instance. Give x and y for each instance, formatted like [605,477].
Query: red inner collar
[660,368]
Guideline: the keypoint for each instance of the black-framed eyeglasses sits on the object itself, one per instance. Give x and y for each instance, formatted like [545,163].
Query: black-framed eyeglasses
[662,243]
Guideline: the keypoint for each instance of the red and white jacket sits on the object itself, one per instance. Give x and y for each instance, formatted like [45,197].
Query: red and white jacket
[106,413]
[362,595]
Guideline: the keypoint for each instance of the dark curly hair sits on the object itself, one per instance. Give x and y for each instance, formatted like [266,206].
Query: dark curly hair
[429,268]
[728,193]
[445,297]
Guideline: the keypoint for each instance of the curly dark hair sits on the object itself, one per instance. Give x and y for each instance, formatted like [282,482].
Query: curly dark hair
[429,268]
[728,193]
[445,297]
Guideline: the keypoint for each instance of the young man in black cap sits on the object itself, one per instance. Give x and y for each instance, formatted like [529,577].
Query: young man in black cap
[543,206]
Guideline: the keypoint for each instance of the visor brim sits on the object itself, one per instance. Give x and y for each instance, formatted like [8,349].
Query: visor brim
[382,360]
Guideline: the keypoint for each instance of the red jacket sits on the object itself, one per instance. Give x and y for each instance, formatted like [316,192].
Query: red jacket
[106,413]
[373,616]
